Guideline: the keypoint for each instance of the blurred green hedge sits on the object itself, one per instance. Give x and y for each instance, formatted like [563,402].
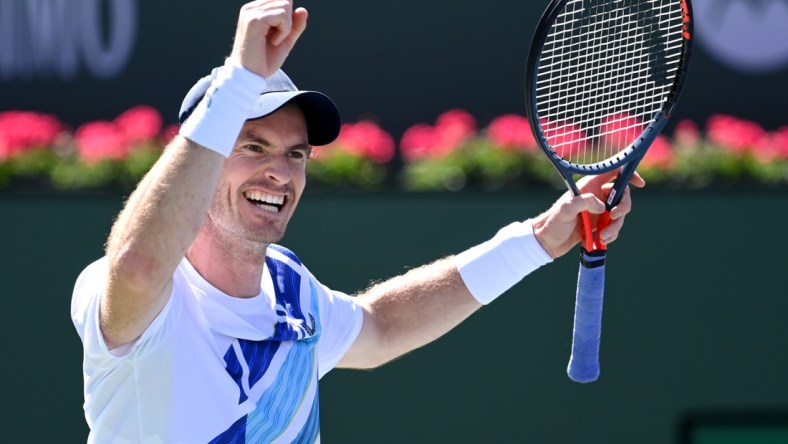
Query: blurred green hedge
[451,154]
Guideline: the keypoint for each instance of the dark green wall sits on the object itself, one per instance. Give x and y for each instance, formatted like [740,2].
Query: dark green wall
[694,318]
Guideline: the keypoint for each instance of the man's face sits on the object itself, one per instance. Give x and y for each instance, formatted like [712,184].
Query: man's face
[262,179]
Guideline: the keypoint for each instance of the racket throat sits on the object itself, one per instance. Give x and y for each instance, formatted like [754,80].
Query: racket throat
[592,241]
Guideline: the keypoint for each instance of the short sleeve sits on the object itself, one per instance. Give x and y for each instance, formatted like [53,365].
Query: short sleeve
[340,320]
[85,307]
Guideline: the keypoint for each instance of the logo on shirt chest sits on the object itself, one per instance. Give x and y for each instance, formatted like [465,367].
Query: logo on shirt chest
[293,327]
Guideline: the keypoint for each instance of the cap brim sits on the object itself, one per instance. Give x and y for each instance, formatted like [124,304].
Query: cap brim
[321,114]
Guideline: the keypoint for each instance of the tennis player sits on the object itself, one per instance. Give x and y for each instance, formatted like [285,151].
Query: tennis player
[197,327]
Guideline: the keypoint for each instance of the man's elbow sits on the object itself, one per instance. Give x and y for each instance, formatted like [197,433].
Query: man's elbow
[136,272]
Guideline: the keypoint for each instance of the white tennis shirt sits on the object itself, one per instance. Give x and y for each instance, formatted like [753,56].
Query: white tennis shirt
[214,368]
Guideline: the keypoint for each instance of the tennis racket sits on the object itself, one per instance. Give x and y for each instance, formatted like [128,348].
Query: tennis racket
[602,79]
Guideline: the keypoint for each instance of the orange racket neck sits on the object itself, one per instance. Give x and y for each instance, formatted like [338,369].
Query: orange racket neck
[590,241]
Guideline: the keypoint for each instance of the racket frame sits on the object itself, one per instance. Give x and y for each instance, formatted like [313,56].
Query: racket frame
[631,156]
[584,361]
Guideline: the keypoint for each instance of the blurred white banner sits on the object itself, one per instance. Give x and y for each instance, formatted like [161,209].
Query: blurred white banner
[60,39]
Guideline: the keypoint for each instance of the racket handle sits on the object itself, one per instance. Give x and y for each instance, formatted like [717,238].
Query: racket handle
[584,362]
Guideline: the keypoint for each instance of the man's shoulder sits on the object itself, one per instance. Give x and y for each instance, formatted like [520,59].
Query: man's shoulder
[87,289]
[94,274]
[273,249]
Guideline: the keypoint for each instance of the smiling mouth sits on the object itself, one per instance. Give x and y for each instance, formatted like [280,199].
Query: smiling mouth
[268,202]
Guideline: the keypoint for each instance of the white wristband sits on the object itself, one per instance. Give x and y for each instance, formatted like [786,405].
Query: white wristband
[491,268]
[217,120]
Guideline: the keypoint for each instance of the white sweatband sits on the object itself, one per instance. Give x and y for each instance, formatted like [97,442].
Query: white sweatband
[491,268]
[217,120]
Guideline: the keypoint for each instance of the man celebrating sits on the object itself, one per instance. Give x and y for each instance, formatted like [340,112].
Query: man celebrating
[198,328]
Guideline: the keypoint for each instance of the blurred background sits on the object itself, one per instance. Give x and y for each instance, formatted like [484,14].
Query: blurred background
[434,158]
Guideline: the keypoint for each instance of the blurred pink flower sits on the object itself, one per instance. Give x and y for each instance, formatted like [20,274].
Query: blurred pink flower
[512,131]
[454,127]
[565,137]
[140,123]
[780,142]
[457,121]
[659,155]
[686,133]
[101,140]
[168,133]
[364,139]
[418,142]
[738,135]
[773,146]
[24,130]
[451,129]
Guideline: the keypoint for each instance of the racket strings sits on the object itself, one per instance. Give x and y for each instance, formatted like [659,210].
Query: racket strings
[605,70]
[632,54]
[588,99]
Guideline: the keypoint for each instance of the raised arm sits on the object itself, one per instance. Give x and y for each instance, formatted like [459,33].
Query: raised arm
[165,213]
[151,235]
[411,310]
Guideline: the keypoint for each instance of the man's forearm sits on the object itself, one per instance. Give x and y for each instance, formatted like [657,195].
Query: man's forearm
[409,311]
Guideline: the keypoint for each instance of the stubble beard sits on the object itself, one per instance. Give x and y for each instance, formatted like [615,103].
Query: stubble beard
[238,238]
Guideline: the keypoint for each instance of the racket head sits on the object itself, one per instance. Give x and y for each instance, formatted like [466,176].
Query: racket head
[603,77]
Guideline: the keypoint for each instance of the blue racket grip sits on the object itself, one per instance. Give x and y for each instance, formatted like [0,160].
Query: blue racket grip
[584,362]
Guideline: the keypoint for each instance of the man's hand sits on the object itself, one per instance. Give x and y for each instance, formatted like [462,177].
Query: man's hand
[558,229]
[267,31]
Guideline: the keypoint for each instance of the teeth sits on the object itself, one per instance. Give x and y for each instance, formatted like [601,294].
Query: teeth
[259,196]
